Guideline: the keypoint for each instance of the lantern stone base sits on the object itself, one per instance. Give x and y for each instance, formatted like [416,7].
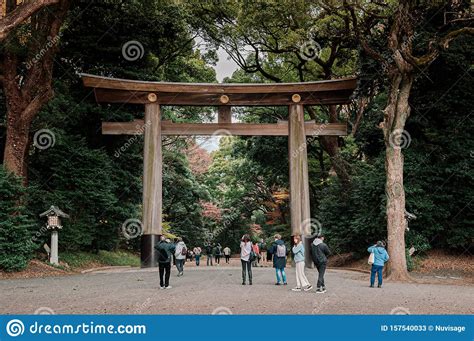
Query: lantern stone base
[149,257]
[54,259]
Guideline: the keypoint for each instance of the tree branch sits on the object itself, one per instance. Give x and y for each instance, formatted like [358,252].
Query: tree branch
[20,14]
[434,47]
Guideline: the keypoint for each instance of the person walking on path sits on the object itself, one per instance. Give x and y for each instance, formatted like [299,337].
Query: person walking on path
[257,253]
[180,255]
[245,251]
[189,256]
[227,254]
[218,253]
[263,251]
[197,254]
[209,254]
[380,258]
[278,251]
[320,253]
[298,256]
[165,252]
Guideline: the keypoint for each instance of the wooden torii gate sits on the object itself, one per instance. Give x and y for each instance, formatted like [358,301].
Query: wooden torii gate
[224,96]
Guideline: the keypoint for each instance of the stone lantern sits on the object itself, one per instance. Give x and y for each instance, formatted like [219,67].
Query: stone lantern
[54,215]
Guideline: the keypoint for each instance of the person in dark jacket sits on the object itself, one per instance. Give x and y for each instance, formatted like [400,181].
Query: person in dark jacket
[278,251]
[165,253]
[320,253]
[209,254]
[218,253]
[263,251]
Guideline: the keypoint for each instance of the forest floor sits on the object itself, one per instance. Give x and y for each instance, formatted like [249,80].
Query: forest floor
[218,290]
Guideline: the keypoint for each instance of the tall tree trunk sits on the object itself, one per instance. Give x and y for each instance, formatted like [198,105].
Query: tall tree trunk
[27,91]
[16,145]
[395,116]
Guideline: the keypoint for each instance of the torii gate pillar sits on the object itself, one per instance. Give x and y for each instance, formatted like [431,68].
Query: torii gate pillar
[299,181]
[152,185]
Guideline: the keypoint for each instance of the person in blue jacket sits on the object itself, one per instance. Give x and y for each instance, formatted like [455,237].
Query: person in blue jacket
[380,258]
[278,251]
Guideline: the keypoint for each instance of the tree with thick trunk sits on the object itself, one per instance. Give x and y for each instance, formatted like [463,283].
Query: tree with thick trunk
[401,68]
[27,81]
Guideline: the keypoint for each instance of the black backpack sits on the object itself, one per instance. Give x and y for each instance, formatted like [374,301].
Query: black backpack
[314,253]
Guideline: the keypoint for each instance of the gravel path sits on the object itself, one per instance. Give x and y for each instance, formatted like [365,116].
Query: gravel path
[218,289]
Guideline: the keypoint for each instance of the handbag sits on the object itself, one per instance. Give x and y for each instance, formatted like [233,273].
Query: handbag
[371,258]
[252,255]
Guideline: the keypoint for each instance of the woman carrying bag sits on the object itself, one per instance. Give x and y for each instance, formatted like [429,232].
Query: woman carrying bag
[378,257]
[246,257]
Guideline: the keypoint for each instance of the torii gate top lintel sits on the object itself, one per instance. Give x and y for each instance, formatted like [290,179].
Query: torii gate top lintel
[115,90]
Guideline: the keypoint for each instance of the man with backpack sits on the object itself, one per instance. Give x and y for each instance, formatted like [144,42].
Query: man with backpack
[278,251]
[165,251]
[320,253]
[180,255]
[262,247]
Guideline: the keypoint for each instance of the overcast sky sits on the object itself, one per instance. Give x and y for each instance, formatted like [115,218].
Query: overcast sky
[225,68]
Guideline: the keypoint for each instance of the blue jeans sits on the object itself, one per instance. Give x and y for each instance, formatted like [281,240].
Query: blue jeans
[283,275]
[376,269]
[198,257]
[180,265]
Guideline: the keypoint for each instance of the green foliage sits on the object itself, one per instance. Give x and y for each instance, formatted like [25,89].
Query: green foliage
[353,223]
[102,258]
[81,184]
[16,243]
[182,195]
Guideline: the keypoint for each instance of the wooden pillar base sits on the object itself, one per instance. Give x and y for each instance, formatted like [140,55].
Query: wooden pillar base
[148,255]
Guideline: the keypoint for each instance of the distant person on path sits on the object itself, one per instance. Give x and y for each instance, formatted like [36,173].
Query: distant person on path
[180,254]
[298,256]
[320,253]
[227,254]
[245,250]
[380,258]
[197,254]
[165,252]
[257,253]
[218,253]
[263,251]
[278,251]
[209,254]
[189,256]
